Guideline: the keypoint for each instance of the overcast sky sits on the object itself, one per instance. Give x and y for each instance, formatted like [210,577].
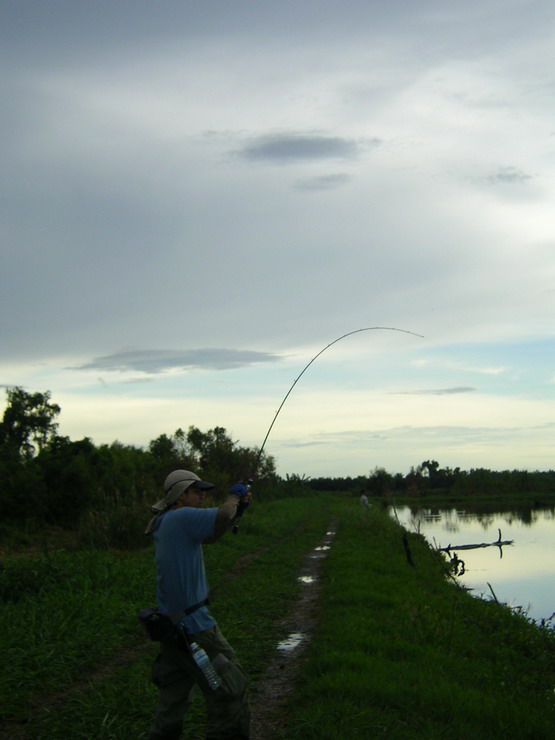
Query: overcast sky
[199,196]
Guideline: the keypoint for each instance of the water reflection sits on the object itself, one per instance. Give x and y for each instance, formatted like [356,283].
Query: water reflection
[522,575]
[485,514]
[307,579]
[292,642]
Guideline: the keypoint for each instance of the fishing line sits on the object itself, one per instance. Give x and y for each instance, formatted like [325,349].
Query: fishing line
[350,333]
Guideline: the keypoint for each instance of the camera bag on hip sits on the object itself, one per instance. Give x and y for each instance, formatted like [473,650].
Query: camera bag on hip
[158,625]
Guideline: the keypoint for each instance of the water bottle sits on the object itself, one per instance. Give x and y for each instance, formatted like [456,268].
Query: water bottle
[203,662]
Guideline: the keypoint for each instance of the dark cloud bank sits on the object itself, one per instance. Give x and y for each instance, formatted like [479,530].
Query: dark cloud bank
[158,360]
[296,147]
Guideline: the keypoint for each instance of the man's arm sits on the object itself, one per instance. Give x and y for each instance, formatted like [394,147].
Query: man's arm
[224,518]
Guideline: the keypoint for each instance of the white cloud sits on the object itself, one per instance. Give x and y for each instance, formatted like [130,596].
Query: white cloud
[453,365]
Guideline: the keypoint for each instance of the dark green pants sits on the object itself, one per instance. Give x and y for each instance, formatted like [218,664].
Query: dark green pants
[175,674]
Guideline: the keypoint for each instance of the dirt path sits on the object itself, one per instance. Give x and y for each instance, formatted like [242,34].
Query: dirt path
[273,691]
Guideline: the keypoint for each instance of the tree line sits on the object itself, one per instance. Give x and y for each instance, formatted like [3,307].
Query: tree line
[429,478]
[48,478]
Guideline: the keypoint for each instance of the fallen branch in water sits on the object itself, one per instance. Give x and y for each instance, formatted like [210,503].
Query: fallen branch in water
[499,543]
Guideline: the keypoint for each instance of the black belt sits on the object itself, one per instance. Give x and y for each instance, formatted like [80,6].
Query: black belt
[190,610]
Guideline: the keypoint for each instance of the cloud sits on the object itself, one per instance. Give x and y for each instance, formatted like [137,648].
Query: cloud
[435,392]
[298,445]
[158,361]
[298,147]
[454,365]
[509,175]
[133,381]
[444,435]
[324,182]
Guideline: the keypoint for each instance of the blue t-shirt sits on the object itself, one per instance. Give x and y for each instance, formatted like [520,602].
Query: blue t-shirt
[180,575]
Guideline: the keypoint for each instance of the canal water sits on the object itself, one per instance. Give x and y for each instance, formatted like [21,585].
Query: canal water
[521,575]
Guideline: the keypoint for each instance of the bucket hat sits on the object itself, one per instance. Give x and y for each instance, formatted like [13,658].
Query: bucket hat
[175,484]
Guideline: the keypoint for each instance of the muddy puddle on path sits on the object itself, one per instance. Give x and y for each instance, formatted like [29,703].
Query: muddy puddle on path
[273,690]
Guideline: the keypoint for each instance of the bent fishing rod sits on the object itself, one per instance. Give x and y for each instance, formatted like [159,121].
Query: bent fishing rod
[299,376]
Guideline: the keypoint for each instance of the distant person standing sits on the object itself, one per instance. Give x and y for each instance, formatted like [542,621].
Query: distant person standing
[364,500]
[180,527]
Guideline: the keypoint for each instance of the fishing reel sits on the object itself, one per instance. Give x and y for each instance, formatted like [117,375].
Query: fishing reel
[243,490]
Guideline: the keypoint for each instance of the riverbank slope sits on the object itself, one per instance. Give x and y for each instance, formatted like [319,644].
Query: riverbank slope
[402,651]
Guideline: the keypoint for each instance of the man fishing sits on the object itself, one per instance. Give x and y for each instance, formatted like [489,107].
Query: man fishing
[180,527]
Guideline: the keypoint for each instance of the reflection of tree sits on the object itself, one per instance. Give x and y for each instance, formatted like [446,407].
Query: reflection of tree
[486,516]
[485,520]
[526,516]
[451,524]
[466,516]
[418,513]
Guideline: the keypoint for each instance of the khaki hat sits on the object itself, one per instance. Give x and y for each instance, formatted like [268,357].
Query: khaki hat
[174,485]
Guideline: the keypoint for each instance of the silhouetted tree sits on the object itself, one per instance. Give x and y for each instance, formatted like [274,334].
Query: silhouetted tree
[28,423]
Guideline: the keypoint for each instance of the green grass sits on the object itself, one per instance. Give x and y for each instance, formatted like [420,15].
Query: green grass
[402,653]
[72,612]
[399,652]
[65,636]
